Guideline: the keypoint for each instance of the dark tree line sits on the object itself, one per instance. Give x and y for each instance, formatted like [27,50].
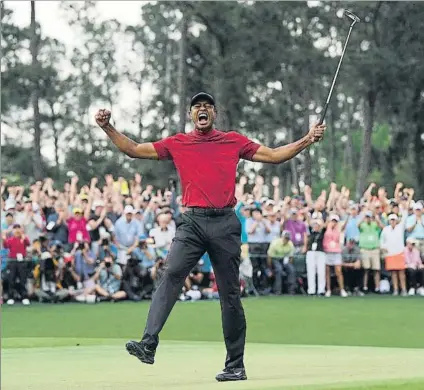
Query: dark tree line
[269,64]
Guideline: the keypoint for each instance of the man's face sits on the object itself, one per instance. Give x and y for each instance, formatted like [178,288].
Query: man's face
[257,215]
[28,207]
[129,217]
[410,245]
[272,217]
[203,115]
[418,213]
[163,221]
[98,210]
[393,223]
[17,232]
[9,219]
[353,211]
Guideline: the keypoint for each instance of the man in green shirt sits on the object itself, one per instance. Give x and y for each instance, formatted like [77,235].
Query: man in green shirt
[369,243]
[280,252]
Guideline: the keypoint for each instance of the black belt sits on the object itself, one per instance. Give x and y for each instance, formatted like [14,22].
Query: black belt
[209,211]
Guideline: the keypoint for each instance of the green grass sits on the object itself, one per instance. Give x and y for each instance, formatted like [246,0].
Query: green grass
[370,343]
[371,321]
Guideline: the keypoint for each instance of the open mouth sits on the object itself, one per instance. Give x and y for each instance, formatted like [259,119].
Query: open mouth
[203,118]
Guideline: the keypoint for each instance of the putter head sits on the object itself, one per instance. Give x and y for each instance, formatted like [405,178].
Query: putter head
[352,16]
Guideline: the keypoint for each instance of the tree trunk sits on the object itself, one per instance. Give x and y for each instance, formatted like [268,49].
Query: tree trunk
[36,157]
[223,121]
[182,74]
[55,136]
[167,103]
[364,164]
[349,144]
[307,153]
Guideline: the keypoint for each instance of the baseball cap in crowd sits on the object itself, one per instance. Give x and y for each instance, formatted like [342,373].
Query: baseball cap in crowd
[16,226]
[393,217]
[202,96]
[334,217]
[98,203]
[77,210]
[293,211]
[286,234]
[84,196]
[35,207]
[316,215]
[369,214]
[269,202]
[67,258]
[412,240]
[129,209]
[418,206]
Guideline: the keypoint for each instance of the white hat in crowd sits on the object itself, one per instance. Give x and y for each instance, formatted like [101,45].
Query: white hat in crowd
[418,206]
[98,203]
[412,240]
[393,217]
[334,217]
[128,209]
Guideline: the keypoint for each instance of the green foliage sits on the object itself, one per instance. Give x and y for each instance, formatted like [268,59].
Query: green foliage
[269,65]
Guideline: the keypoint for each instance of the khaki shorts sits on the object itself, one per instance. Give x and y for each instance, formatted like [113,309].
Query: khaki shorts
[370,259]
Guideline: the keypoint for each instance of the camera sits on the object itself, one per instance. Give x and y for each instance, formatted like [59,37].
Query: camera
[142,244]
[68,265]
[81,246]
[108,264]
[105,242]
[133,262]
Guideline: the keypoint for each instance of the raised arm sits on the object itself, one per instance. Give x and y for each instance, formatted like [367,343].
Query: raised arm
[287,152]
[124,144]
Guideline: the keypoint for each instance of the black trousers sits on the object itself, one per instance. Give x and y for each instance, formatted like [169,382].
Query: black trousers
[17,269]
[415,277]
[220,236]
[353,278]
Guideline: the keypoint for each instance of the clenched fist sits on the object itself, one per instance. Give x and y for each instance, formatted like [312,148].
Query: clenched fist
[103,117]
[316,132]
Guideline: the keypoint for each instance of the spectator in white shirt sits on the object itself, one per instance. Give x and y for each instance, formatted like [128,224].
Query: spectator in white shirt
[274,225]
[30,219]
[163,234]
[392,243]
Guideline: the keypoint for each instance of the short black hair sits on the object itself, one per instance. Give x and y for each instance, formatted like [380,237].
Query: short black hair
[202,96]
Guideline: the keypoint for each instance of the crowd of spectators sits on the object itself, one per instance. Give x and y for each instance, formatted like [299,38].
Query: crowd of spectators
[89,244]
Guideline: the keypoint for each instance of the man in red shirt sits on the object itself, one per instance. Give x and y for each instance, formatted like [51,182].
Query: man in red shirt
[16,264]
[206,160]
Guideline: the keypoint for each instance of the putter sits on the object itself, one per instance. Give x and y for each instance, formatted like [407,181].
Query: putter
[354,20]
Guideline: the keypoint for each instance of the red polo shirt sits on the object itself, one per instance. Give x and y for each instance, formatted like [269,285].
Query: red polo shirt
[16,245]
[207,164]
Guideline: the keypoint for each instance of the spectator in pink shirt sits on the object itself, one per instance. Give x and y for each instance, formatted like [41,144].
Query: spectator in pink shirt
[77,227]
[414,267]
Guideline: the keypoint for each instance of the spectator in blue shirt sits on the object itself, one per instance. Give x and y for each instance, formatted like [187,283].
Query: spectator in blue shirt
[127,231]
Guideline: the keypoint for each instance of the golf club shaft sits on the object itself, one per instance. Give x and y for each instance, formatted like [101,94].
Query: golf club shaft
[324,111]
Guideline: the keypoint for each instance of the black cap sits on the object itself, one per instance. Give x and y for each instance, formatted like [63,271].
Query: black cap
[202,96]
